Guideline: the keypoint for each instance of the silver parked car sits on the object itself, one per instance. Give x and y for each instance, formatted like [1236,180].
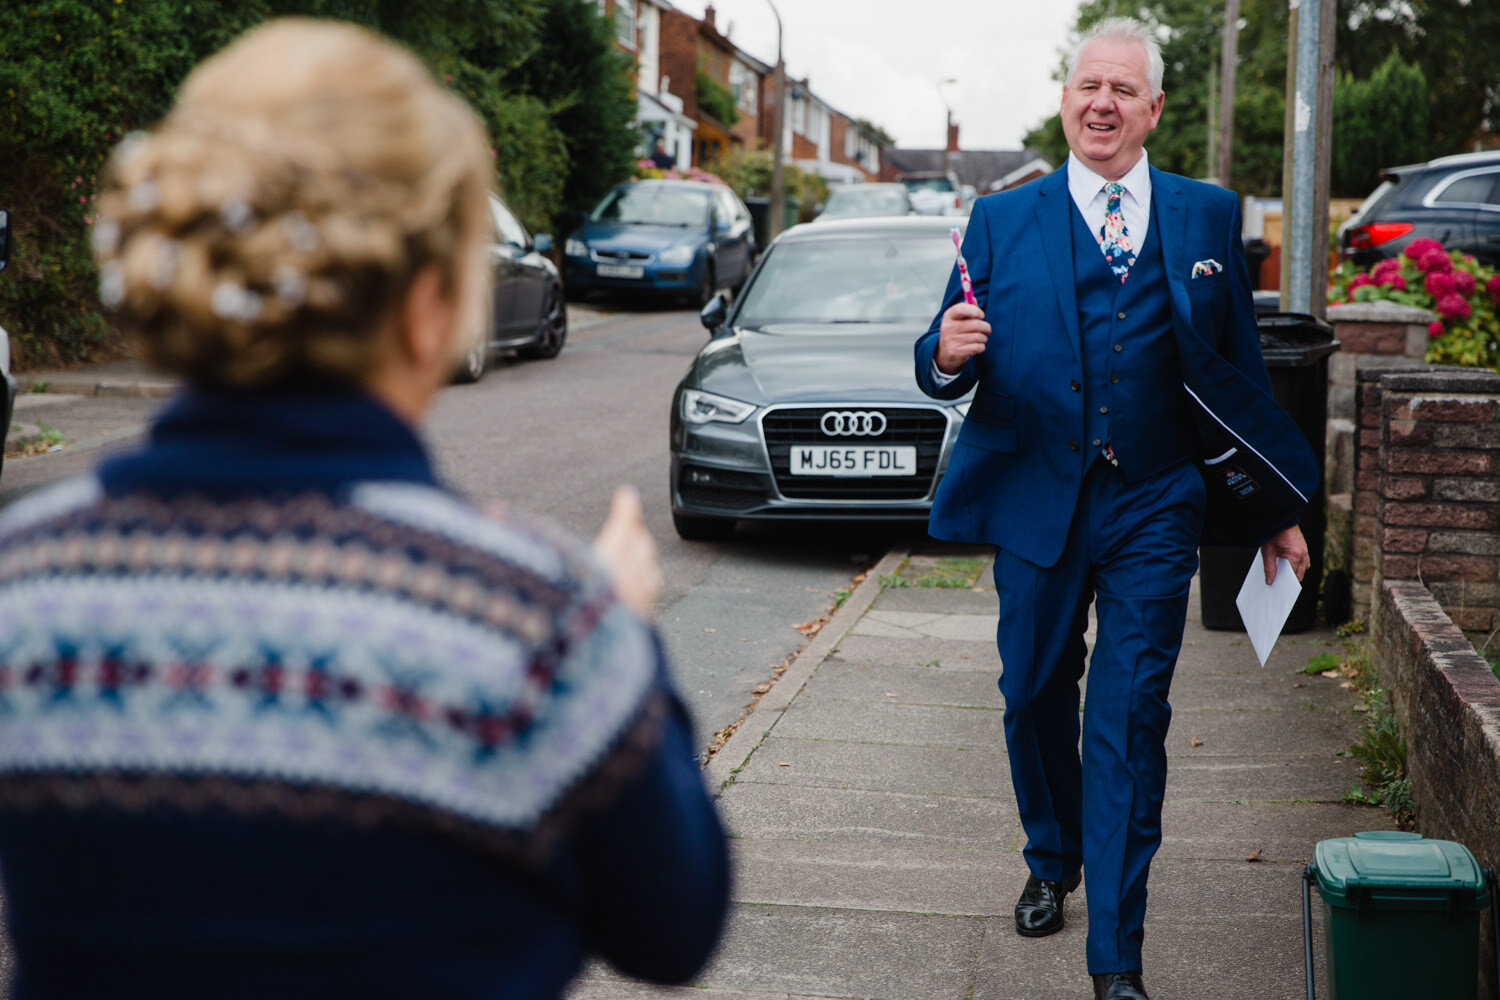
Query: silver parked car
[864,201]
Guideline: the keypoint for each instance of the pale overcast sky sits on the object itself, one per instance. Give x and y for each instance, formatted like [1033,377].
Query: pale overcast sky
[884,60]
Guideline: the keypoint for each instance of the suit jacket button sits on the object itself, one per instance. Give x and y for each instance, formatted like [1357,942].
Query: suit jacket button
[1097,442]
[1114,380]
[1119,315]
[1118,348]
[1074,385]
[1073,445]
[1103,409]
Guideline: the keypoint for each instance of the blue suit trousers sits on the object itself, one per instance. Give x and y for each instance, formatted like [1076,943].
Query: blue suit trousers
[1133,549]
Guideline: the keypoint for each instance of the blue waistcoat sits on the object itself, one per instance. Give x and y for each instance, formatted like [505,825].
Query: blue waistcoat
[1133,399]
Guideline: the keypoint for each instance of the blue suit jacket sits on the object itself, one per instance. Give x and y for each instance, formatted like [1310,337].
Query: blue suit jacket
[1013,481]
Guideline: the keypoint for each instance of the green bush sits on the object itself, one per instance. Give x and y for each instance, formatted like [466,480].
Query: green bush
[717,100]
[76,77]
[749,174]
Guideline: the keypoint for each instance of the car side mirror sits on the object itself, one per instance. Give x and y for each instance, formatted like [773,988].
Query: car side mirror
[542,242]
[715,313]
[4,238]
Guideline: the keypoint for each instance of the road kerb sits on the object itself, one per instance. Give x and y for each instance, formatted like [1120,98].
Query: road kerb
[747,738]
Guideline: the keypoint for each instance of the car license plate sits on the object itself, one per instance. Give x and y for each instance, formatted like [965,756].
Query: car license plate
[866,460]
[621,271]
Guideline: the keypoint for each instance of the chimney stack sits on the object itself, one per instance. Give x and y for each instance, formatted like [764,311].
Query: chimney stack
[708,16]
[952,136]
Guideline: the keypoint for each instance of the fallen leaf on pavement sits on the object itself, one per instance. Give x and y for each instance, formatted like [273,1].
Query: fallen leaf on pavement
[760,689]
[1299,684]
[890,694]
[1254,857]
[963,656]
[710,630]
[1195,741]
[783,763]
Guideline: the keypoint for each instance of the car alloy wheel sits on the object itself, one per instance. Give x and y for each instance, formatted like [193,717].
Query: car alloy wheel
[475,360]
[552,330]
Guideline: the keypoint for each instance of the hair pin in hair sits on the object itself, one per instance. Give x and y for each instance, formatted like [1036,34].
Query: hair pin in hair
[231,301]
[143,195]
[163,268]
[236,215]
[111,284]
[290,285]
[300,233]
[106,235]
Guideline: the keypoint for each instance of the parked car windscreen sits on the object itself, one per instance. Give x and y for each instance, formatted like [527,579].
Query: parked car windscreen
[653,206]
[929,184]
[865,280]
[854,202]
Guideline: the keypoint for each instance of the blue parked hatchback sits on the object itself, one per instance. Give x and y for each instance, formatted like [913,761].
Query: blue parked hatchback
[664,236]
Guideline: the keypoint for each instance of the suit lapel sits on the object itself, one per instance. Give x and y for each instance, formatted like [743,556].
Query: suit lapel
[1172,216]
[1053,207]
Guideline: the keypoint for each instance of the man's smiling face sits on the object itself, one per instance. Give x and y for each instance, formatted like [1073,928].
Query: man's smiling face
[1107,107]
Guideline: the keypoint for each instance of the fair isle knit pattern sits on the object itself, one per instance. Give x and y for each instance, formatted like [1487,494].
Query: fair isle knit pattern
[392,643]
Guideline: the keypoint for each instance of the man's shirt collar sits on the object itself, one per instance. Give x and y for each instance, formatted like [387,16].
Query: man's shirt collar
[1085,185]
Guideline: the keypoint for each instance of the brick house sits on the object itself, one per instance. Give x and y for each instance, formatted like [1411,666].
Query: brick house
[690,46]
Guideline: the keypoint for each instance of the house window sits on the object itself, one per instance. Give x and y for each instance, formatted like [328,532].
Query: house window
[625,22]
[742,82]
[799,117]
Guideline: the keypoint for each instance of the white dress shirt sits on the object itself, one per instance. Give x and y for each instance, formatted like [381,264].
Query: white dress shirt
[1087,189]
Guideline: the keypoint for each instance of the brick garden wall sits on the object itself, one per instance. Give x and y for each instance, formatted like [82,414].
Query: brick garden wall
[1447,706]
[1427,489]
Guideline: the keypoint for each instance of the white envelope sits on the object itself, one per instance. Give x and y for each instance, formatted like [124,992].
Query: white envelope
[1264,609]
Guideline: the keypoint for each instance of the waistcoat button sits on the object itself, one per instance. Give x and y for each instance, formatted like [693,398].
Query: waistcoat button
[1073,445]
[1103,409]
[1073,384]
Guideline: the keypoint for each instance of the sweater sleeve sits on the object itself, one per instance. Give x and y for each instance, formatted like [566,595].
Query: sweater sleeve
[653,867]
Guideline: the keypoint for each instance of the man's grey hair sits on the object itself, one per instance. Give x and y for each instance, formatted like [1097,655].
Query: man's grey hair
[1123,29]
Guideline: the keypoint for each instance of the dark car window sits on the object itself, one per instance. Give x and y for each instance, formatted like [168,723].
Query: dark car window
[879,279]
[653,205]
[1475,189]
[929,184]
[507,229]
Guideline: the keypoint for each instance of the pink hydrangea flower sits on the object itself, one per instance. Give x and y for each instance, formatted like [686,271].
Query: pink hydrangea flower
[1393,279]
[1358,281]
[1388,266]
[1417,248]
[1463,283]
[1435,329]
[1435,260]
[1453,307]
[1493,287]
[1439,284]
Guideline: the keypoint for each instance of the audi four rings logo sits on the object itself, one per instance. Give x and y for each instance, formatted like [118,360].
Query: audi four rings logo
[853,423]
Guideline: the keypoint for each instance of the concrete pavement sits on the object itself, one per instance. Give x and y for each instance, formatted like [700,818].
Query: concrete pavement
[878,849]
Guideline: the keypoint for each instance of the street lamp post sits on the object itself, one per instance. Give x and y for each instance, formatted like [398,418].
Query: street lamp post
[778,189]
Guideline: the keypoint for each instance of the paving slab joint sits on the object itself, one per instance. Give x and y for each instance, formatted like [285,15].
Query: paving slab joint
[736,753]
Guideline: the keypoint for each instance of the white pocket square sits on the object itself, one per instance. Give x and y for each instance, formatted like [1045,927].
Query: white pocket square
[1206,267]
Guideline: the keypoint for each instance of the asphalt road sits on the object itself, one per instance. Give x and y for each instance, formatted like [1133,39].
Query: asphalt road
[556,437]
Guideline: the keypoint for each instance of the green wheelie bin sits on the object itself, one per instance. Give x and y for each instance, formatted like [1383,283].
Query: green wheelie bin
[1401,915]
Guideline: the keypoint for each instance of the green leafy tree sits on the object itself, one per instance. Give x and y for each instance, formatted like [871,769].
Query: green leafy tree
[75,77]
[1378,122]
[585,83]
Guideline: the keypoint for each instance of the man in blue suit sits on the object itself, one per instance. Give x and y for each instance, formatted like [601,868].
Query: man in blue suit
[1122,414]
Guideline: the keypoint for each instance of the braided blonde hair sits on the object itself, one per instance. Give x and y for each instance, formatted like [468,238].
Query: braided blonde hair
[272,222]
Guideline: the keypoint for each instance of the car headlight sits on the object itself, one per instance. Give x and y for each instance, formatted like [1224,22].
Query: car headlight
[963,408]
[680,254]
[699,407]
[574,247]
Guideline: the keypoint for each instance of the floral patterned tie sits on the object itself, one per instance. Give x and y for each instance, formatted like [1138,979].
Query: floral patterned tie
[1114,238]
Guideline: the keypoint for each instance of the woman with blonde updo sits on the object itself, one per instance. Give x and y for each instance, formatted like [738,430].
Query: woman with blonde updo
[283,716]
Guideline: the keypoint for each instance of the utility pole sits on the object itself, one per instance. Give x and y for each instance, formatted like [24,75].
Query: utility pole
[1323,169]
[1229,57]
[1288,130]
[778,186]
[1311,123]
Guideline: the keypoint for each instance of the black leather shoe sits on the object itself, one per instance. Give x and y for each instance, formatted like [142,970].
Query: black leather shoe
[1039,911]
[1119,986]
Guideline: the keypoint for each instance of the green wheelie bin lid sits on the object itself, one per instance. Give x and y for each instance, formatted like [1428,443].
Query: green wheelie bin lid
[1390,869]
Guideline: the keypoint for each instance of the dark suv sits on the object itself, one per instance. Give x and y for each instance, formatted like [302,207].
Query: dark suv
[1454,200]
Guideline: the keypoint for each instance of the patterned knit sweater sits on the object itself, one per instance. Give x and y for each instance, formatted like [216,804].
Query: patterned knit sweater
[273,627]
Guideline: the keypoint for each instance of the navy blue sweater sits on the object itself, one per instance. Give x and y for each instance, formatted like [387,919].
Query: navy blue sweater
[281,717]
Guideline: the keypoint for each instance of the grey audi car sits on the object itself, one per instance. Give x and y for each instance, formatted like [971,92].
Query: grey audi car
[802,404]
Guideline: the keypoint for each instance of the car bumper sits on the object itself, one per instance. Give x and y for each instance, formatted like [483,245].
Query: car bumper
[742,471]
[582,274]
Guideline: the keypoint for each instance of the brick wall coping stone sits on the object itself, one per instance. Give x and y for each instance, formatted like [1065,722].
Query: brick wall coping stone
[1447,379]
[1447,704]
[1378,311]
[1373,373]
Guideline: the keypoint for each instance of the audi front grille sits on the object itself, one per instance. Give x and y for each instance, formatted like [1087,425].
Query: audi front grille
[923,427]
